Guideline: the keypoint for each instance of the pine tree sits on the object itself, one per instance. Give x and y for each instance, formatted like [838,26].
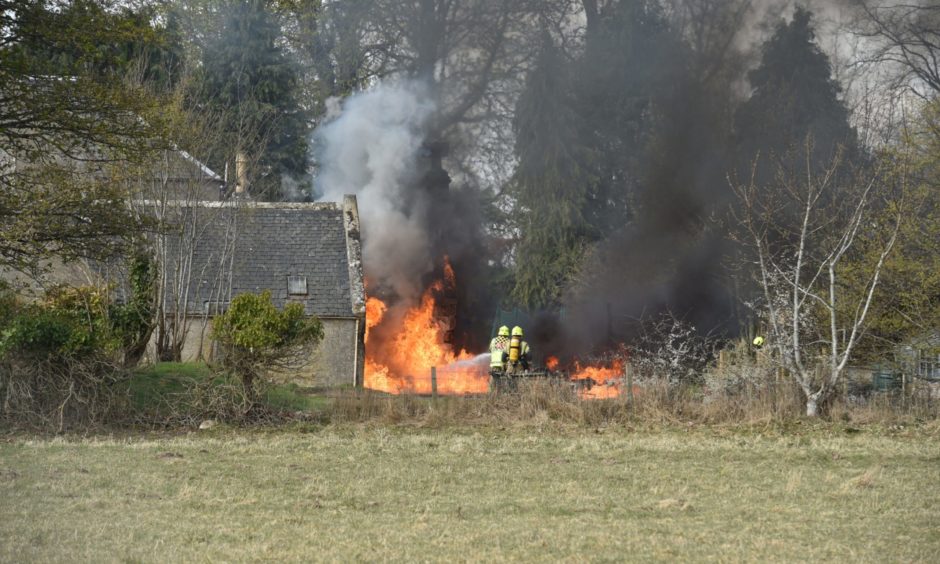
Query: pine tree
[134,44]
[794,99]
[250,80]
[631,63]
[551,183]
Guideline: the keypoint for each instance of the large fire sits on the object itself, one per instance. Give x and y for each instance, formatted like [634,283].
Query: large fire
[403,346]
[416,341]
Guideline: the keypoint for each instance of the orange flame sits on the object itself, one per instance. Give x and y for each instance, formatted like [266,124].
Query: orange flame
[605,382]
[375,311]
[417,341]
[403,346]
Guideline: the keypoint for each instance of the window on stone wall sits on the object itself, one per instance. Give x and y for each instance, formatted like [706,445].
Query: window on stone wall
[297,285]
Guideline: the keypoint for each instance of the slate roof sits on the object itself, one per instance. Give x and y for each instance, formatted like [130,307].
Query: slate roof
[262,245]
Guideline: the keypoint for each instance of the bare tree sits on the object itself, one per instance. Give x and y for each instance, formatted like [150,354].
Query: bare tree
[803,229]
[473,55]
[169,189]
[906,34]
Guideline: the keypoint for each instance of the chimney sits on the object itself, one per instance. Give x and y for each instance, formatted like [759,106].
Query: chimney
[356,287]
[241,174]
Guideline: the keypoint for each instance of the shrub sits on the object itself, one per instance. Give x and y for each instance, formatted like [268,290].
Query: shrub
[668,348]
[58,357]
[254,337]
[133,321]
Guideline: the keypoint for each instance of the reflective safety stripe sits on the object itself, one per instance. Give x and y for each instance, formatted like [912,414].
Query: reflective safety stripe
[498,348]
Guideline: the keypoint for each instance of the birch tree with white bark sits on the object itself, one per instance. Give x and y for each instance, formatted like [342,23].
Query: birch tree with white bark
[804,228]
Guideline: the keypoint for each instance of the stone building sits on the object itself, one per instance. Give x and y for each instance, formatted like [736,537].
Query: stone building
[217,243]
[307,253]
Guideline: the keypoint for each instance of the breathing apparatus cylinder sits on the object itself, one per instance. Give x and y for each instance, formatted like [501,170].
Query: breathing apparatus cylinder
[515,345]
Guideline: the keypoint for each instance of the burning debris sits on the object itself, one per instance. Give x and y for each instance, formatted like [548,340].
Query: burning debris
[599,382]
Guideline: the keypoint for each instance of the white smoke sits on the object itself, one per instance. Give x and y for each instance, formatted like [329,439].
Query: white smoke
[370,149]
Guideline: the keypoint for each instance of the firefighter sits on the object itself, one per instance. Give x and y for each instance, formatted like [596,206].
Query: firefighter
[499,352]
[519,353]
[499,348]
[758,342]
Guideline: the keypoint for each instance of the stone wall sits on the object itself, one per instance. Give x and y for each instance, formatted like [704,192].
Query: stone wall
[334,361]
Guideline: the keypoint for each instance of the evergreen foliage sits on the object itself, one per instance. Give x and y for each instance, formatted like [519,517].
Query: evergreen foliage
[60,357]
[68,323]
[632,63]
[610,139]
[133,320]
[254,337]
[794,99]
[248,78]
[75,323]
[96,37]
[329,37]
[551,185]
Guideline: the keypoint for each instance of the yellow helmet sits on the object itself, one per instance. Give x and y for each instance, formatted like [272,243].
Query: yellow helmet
[517,331]
[503,331]
[758,341]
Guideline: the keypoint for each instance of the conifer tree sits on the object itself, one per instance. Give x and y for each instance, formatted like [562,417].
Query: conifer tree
[249,78]
[794,99]
[632,62]
[551,183]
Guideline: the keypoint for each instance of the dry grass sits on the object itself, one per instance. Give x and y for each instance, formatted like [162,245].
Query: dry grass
[363,492]
[540,403]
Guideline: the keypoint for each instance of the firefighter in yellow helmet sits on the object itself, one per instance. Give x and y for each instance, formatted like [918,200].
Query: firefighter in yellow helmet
[519,353]
[499,350]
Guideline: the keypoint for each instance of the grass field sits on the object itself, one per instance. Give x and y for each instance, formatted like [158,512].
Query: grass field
[369,493]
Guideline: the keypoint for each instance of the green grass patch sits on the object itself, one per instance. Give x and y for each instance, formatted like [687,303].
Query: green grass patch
[166,387]
[292,397]
[153,386]
[366,493]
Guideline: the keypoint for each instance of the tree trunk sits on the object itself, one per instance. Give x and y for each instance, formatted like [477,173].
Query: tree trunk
[812,406]
[819,403]
[136,350]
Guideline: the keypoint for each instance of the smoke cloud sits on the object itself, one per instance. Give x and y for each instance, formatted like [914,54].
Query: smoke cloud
[381,145]
[370,149]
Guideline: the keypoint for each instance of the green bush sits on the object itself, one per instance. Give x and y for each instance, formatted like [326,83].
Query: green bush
[253,337]
[69,322]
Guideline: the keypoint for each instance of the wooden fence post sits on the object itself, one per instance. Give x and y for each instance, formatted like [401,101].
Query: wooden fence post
[628,369]
[434,382]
